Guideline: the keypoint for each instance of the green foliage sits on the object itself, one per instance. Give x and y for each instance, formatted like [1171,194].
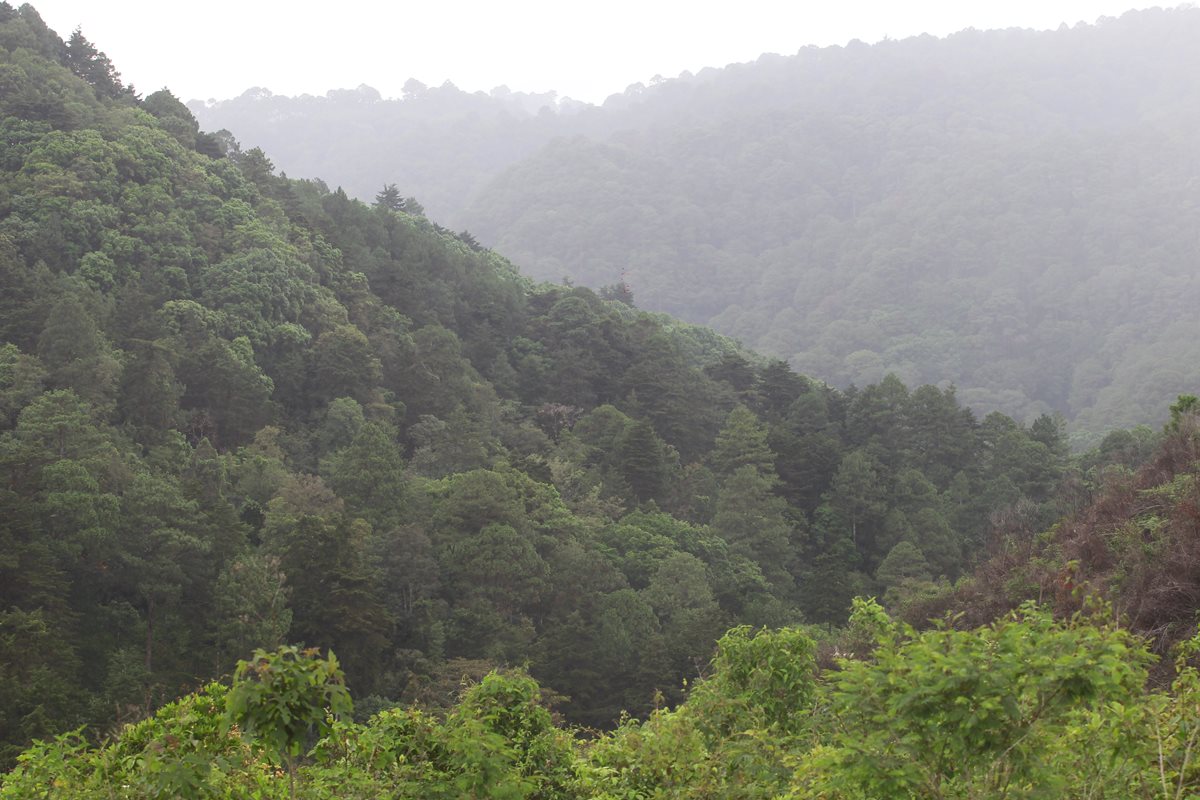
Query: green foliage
[731,736]
[665,756]
[184,752]
[251,606]
[1027,707]
[742,442]
[754,523]
[94,67]
[1185,405]
[957,714]
[280,698]
[238,410]
[761,679]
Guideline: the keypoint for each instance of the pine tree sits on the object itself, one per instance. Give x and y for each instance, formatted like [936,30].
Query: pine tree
[742,442]
[93,66]
[389,198]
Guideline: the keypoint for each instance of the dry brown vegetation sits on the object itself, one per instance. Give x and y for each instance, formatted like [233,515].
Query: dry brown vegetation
[1133,541]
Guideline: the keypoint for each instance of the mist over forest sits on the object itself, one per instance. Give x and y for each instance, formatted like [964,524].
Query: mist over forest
[328,486]
[1013,212]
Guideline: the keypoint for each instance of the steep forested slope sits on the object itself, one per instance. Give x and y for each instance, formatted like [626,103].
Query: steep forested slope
[1012,211]
[238,410]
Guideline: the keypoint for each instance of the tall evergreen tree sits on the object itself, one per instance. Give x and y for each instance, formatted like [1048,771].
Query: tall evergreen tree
[742,442]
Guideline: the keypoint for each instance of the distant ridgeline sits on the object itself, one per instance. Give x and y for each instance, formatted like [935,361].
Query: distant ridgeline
[1014,212]
[238,411]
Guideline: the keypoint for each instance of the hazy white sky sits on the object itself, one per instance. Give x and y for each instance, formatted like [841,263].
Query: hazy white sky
[586,50]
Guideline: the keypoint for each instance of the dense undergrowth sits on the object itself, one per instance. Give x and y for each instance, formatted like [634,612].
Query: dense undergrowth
[1026,707]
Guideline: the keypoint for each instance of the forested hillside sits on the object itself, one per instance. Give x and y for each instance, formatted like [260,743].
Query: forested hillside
[1010,211]
[238,411]
[247,422]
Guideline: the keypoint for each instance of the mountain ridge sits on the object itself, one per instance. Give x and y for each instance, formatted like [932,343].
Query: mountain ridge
[793,201]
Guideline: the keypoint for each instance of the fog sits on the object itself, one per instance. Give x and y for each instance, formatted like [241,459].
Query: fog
[585,51]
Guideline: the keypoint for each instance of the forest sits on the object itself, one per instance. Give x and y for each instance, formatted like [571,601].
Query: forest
[309,496]
[1012,212]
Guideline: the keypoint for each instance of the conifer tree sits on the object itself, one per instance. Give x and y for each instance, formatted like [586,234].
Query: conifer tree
[742,442]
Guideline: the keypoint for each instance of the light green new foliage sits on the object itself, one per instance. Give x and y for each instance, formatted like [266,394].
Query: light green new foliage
[1175,723]
[527,756]
[761,679]
[282,698]
[498,743]
[757,707]
[663,757]
[1141,747]
[970,714]
[731,738]
[1028,707]
[182,753]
